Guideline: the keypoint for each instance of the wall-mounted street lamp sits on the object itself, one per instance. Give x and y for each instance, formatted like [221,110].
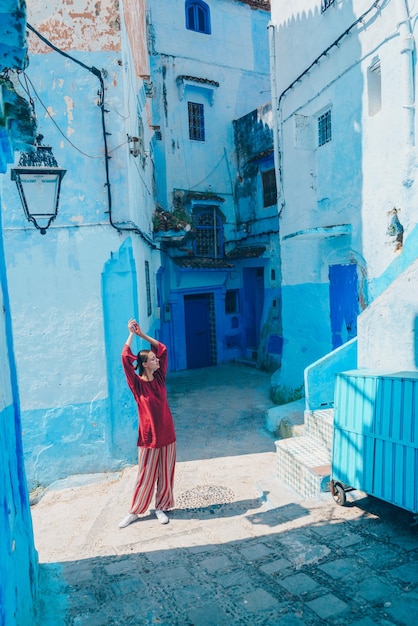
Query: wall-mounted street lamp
[133,145]
[38,179]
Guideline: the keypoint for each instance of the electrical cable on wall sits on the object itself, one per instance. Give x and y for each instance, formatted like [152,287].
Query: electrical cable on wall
[98,74]
[375,5]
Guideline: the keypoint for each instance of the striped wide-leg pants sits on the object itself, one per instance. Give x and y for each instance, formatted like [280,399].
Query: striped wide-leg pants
[155,469]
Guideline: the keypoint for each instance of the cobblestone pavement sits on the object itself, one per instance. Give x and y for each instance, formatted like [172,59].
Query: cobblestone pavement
[240,548]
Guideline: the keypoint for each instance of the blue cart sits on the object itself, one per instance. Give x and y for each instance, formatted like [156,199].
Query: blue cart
[375,439]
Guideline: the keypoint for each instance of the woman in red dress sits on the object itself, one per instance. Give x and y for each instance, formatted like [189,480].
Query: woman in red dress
[156,436]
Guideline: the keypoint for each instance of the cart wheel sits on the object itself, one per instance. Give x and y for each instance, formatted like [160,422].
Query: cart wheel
[339,494]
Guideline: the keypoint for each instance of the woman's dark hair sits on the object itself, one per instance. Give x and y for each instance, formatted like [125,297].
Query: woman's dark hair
[141,358]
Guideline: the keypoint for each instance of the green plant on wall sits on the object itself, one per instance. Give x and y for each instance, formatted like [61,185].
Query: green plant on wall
[182,215]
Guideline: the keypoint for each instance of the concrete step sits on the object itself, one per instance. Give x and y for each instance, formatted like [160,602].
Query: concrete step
[286,420]
[319,426]
[303,464]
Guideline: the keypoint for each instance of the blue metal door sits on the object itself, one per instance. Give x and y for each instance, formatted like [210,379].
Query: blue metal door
[344,302]
[197,322]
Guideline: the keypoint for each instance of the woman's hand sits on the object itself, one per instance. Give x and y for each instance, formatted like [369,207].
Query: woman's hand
[134,328]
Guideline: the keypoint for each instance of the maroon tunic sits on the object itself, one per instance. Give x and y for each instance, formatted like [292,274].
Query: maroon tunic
[156,427]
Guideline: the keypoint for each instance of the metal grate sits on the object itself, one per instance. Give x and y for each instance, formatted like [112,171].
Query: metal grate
[324,128]
[196,121]
[269,187]
[148,288]
[231,301]
[208,232]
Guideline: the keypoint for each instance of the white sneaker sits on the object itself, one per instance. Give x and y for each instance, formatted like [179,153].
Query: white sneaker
[131,517]
[161,517]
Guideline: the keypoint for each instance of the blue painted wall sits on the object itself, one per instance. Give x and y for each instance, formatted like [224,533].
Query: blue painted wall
[73,290]
[18,557]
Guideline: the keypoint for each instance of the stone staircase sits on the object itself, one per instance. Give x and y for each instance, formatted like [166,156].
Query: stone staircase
[304,456]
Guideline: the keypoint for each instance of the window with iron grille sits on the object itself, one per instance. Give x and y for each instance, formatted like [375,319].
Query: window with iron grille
[209,235]
[231,301]
[374,87]
[197,16]
[324,128]
[196,121]
[268,179]
[325,4]
[148,288]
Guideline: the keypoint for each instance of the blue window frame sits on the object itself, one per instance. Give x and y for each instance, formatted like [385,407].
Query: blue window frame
[196,121]
[208,234]
[197,16]
[324,128]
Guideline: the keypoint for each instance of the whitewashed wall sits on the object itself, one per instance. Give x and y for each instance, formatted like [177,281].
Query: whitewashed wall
[234,56]
[335,199]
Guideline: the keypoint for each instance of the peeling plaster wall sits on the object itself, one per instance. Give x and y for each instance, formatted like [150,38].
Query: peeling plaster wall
[84,25]
[68,336]
[254,145]
[255,223]
[135,22]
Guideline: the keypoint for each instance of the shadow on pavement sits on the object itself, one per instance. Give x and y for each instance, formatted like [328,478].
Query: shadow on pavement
[322,571]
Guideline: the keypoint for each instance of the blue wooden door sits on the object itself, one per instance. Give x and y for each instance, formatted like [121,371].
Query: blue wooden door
[197,327]
[344,302]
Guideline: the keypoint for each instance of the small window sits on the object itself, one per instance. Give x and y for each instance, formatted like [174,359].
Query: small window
[269,187]
[208,235]
[324,128]
[374,87]
[325,4]
[148,288]
[231,301]
[197,16]
[196,121]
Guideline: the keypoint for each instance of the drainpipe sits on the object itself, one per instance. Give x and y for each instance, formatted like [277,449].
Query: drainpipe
[407,68]
[276,112]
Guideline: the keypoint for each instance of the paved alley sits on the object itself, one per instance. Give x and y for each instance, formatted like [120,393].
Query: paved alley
[240,548]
